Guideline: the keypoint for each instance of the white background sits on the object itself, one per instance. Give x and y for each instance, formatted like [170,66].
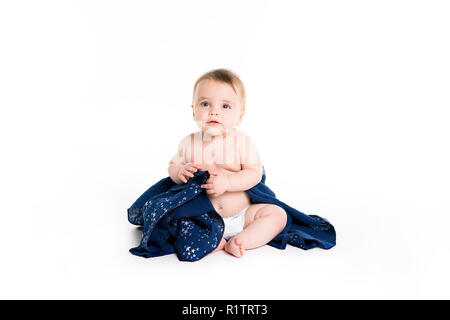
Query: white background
[347,102]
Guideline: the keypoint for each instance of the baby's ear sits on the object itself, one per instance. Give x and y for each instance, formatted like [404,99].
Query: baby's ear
[241,116]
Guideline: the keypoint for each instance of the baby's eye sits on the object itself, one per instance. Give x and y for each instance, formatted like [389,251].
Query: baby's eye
[203,104]
[227,106]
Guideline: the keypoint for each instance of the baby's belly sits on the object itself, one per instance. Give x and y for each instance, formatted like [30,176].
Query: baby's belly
[230,203]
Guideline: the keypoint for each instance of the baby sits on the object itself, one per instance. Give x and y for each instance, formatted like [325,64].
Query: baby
[230,157]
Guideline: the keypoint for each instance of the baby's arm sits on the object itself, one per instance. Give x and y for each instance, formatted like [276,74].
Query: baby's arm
[249,175]
[180,171]
[247,178]
[251,172]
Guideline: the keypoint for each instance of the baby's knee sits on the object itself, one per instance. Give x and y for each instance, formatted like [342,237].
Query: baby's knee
[281,216]
[278,215]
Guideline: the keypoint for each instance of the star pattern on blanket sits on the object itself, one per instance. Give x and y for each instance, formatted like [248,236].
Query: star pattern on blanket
[181,219]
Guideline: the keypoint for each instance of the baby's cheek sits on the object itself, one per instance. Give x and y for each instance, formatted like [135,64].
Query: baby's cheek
[199,124]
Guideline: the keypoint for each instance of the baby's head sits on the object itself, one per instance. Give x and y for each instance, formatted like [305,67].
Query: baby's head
[219,95]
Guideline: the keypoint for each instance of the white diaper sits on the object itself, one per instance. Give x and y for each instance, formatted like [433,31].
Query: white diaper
[234,224]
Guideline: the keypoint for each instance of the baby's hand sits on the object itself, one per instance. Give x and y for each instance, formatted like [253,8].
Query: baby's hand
[187,171]
[217,183]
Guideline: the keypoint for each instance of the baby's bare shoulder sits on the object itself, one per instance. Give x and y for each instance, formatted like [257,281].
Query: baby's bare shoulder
[248,153]
[192,135]
[183,151]
[242,135]
[244,138]
[189,138]
[239,132]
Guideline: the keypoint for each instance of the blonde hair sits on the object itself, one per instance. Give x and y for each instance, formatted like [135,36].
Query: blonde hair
[225,76]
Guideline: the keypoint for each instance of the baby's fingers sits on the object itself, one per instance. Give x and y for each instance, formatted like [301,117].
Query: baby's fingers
[206,186]
[187,173]
[198,166]
[190,167]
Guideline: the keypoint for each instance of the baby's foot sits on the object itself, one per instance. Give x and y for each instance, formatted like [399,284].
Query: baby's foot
[235,247]
[220,246]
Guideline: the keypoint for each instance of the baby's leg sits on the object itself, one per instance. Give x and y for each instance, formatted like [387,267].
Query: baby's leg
[263,222]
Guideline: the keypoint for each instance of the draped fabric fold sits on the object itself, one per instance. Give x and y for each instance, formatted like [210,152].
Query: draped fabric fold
[181,219]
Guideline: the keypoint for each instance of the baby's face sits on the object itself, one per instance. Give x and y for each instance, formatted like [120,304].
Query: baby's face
[217,101]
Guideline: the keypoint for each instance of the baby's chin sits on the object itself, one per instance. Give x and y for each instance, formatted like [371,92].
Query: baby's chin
[214,131]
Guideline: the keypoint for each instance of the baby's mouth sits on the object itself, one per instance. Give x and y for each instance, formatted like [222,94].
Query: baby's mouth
[212,122]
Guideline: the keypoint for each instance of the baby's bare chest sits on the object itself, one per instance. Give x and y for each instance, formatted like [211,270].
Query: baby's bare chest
[220,155]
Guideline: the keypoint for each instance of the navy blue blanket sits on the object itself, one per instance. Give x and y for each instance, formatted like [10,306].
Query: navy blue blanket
[179,218]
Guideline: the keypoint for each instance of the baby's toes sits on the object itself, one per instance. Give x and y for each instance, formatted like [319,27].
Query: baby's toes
[240,246]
